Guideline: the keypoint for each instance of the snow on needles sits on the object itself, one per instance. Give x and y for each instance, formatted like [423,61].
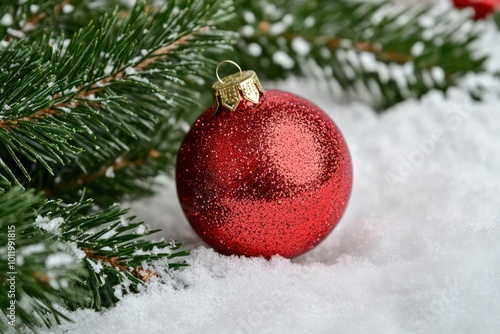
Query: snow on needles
[50,225]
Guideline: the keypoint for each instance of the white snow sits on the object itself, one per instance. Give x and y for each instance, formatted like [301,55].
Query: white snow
[118,291]
[124,221]
[32,249]
[108,69]
[417,251]
[277,28]
[309,21]
[50,225]
[368,61]
[78,254]
[417,49]
[254,49]
[57,282]
[96,265]
[58,260]
[438,74]
[283,59]
[67,8]
[7,20]
[141,229]
[128,3]
[130,71]
[110,172]
[34,8]
[249,16]
[247,30]
[301,46]
[15,33]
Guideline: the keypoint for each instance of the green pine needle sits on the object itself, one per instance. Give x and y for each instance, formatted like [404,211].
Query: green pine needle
[68,257]
[376,51]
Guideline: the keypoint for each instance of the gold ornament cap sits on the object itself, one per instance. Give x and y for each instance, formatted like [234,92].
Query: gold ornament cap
[230,90]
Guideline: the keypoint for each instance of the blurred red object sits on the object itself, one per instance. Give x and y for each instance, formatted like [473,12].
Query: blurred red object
[482,8]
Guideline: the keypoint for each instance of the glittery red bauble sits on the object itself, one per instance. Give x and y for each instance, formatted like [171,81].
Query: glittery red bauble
[482,8]
[268,178]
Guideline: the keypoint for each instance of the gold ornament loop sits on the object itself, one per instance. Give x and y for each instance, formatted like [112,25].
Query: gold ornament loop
[230,62]
[229,91]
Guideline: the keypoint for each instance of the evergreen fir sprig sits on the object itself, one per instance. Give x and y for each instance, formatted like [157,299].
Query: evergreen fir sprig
[36,271]
[116,251]
[361,49]
[78,105]
[68,257]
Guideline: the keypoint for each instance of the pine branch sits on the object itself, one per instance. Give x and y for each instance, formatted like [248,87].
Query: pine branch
[105,171]
[86,93]
[35,270]
[64,256]
[112,87]
[360,48]
[115,251]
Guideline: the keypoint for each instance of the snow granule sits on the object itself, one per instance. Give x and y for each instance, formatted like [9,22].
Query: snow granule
[32,249]
[110,172]
[417,49]
[277,28]
[130,71]
[124,221]
[7,20]
[254,49]
[141,229]
[118,291]
[96,266]
[309,21]
[301,46]
[249,17]
[283,59]
[58,260]
[247,31]
[108,69]
[50,225]
[15,33]
[78,254]
[67,8]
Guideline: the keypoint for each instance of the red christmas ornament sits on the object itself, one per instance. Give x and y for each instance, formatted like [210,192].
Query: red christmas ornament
[262,173]
[482,8]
